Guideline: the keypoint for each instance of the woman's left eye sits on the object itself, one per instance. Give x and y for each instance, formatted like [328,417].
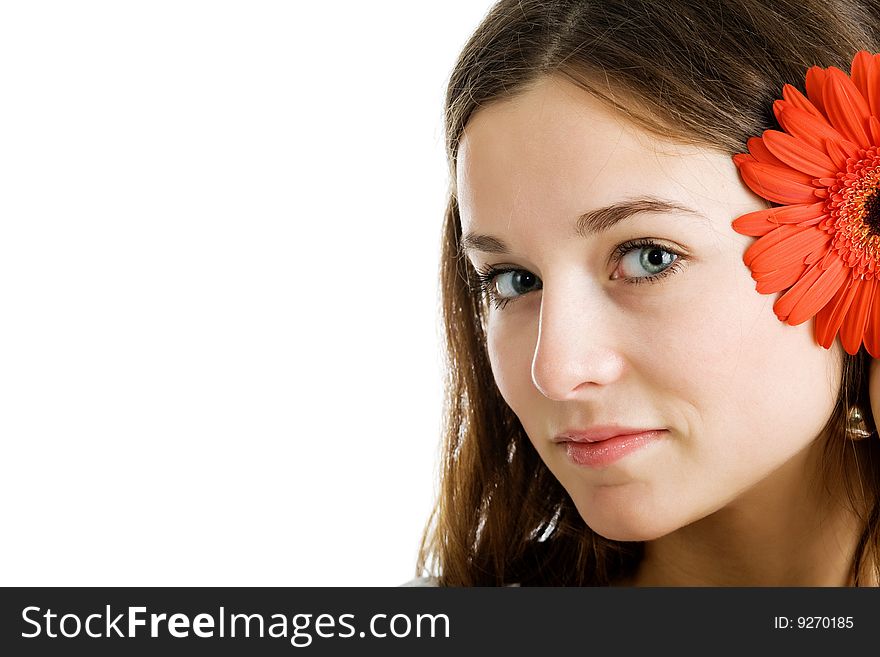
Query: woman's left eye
[644,260]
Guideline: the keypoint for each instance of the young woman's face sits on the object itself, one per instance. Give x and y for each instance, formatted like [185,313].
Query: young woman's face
[647,320]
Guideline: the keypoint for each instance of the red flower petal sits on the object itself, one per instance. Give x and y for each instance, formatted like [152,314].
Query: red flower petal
[778,184]
[813,131]
[761,152]
[819,293]
[778,280]
[829,319]
[873,86]
[787,252]
[794,97]
[875,130]
[837,154]
[790,299]
[845,107]
[767,241]
[780,240]
[852,330]
[739,158]
[861,64]
[823,253]
[754,224]
[829,259]
[798,154]
[762,222]
[815,83]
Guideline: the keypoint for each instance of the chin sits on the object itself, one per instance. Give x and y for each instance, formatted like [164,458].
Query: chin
[627,534]
[630,527]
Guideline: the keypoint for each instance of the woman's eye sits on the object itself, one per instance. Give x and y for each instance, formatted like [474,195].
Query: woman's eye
[645,261]
[514,283]
[503,285]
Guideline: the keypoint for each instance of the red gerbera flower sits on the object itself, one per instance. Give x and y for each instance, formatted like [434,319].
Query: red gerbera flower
[822,241]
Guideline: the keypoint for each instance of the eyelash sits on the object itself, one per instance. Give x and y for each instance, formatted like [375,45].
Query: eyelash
[489,273]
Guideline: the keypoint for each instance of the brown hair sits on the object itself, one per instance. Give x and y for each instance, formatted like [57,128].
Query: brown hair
[699,73]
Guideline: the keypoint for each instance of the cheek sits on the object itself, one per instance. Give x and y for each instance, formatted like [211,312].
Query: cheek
[743,373]
[511,347]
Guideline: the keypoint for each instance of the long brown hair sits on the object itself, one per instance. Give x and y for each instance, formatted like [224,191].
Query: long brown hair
[699,73]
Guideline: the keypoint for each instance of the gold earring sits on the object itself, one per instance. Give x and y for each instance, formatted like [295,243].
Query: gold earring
[856,426]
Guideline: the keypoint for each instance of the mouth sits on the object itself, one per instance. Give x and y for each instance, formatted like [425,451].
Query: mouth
[603,452]
[601,433]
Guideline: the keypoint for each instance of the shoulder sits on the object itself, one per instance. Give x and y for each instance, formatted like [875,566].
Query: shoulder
[421,581]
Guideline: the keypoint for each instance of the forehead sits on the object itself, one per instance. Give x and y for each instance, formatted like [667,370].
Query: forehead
[555,151]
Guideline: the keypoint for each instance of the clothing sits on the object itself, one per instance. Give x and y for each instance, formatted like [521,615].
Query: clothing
[421,581]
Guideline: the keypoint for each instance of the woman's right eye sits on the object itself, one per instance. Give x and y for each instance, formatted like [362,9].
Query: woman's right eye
[505,284]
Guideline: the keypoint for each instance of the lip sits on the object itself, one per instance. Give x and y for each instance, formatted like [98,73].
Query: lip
[599,433]
[602,453]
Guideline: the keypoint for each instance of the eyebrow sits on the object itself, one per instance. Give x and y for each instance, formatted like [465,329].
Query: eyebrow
[589,223]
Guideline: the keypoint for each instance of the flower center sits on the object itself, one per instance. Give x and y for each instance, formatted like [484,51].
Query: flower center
[872,212]
[853,209]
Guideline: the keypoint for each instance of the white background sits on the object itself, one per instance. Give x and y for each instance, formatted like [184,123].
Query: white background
[219,326]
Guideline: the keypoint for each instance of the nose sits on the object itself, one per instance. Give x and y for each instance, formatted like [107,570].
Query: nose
[578,346]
